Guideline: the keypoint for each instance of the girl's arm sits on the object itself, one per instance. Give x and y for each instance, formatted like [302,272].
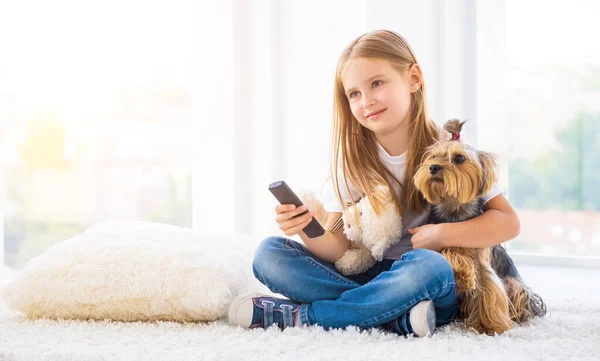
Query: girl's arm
[330,246]
[499,223]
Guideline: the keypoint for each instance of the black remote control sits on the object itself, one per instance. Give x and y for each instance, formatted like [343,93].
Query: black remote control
[285,195]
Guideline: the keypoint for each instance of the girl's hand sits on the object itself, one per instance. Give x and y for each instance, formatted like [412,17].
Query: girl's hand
[291,226]
[428,236]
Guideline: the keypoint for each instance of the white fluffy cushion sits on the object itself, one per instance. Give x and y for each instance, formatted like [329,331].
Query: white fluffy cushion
[135,271]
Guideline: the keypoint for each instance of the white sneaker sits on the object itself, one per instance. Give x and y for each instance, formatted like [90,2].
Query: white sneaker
[251,310]
[422,318]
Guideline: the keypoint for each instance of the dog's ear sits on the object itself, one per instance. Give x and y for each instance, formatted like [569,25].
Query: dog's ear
[489,170]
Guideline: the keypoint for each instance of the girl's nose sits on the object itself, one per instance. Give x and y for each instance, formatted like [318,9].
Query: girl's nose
[368,102]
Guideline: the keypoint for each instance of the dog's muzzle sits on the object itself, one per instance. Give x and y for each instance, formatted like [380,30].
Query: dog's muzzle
[434,169]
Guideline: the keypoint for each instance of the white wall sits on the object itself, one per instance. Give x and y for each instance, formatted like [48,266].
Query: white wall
[213,170]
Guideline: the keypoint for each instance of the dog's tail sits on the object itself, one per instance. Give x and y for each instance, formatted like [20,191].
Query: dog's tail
[537,305]
[525,303]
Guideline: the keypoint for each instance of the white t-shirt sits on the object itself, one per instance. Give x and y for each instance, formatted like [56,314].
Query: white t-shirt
[397,165]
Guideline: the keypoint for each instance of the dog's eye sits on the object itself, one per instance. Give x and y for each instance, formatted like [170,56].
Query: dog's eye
[458,159]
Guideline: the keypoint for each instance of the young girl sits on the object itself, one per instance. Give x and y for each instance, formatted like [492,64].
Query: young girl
[380,132]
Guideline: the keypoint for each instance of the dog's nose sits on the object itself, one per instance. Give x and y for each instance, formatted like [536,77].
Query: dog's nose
[434,169]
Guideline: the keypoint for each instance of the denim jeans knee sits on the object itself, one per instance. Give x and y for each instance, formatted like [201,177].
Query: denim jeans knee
[288,268]
[438,267]
[264,264]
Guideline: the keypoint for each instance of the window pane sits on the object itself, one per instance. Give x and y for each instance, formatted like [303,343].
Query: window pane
[96,119]
[554,113]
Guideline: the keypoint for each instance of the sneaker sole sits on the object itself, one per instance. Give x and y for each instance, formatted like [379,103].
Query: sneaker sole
[429,327]
[239,316]
[431,318]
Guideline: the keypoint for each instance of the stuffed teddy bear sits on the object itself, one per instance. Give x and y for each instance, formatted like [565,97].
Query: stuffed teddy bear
[369,235]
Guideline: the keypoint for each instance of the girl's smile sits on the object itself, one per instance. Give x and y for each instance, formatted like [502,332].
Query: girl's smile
[375,114]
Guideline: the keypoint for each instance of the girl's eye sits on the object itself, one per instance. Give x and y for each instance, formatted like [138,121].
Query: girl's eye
[377,83]
[353,94]
[458,159]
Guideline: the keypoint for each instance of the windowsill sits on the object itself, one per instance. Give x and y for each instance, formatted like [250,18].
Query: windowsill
[563,261]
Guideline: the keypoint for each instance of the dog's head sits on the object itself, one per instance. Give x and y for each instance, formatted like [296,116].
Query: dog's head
[453,171]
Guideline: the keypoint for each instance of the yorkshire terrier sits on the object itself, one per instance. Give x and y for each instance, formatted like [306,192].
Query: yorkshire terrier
[453,178]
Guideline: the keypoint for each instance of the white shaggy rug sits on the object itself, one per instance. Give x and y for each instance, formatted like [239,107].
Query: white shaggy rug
[571,331]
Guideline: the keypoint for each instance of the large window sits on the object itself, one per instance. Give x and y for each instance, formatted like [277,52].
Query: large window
[553,78]
[96,119]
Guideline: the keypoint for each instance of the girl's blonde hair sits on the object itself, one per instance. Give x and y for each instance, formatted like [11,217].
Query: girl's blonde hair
[357,145]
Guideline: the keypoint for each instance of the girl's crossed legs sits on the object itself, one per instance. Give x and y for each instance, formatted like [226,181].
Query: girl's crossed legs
[383,295]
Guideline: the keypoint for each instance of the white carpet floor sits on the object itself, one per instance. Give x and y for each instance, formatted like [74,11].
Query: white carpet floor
[570,331]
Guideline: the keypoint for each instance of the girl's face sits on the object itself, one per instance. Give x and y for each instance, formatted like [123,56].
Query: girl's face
[379,95]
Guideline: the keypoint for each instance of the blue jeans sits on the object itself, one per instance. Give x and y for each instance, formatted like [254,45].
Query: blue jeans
[383,293]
